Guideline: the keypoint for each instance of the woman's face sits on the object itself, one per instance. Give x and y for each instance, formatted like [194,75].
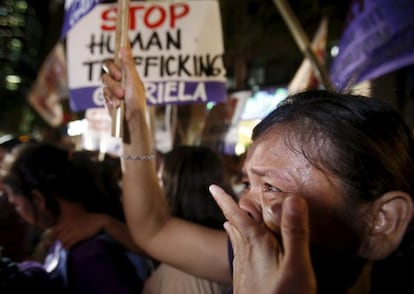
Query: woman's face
[272,170]
[22,205]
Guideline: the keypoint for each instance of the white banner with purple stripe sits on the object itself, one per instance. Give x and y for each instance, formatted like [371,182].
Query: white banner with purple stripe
[74,11]
[178,49]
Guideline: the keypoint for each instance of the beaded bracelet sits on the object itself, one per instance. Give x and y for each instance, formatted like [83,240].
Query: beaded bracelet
[143,157]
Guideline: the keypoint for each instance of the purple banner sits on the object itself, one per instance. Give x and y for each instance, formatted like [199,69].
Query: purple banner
[74,11]
[158,93]
[378,40]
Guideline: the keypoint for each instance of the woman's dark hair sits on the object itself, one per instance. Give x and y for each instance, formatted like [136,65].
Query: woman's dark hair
[362,141]
[187,173]
[57,172]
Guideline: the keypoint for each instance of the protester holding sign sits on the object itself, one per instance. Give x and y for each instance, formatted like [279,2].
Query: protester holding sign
[318,147]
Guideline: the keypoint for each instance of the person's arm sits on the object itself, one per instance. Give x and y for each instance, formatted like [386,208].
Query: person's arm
[261,263]
[90,224]
[190,247]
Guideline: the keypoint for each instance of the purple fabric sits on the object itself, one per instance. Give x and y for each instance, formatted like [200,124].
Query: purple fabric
[36,279]
[101,266]
[55,265]
[91,97]
[30,265]
[378,40]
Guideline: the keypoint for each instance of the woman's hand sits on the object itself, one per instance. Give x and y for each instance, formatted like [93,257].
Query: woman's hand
[262,264]
[80,228]
[123,82]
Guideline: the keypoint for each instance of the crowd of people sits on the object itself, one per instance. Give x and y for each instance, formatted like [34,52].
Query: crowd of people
[326,206]
[50,185]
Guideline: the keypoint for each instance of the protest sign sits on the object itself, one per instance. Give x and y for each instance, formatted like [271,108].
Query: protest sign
[178,50]
[379,39]
[74,11]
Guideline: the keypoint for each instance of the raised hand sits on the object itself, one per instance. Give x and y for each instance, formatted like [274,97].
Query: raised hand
[131,89]
[262,263]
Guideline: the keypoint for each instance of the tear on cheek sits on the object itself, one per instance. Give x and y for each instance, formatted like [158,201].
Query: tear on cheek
[271,217]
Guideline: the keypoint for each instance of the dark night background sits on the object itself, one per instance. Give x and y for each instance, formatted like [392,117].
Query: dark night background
[259,49]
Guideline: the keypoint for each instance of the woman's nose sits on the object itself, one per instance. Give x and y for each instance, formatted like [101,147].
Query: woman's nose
[251,207]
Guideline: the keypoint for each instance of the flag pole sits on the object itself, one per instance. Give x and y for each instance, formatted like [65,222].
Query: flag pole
[303,42]
[121,40]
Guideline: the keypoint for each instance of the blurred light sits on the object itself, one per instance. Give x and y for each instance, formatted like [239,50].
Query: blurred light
[15,44]
[244,139]
[21,6]
[24,138]
[334,51]
[13,79]
[210,105]
[77,127]
[5,138]
[262,102]
[16,21]
[281,93]
[12,87]
[240,149]
[12,82]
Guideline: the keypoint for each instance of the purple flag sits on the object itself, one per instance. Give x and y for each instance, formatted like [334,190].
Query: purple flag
[74,11]
[379,39]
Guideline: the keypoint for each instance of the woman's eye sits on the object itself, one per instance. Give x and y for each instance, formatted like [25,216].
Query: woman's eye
[270,188]
[246,186]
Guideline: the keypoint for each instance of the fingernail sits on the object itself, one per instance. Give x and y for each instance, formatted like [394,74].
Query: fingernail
[213,189]
[226,226]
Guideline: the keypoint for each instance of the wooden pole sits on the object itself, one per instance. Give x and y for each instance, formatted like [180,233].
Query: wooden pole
[302,41]
[121,40]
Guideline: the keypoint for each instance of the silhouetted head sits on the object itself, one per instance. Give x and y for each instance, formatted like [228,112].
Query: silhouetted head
[187,172]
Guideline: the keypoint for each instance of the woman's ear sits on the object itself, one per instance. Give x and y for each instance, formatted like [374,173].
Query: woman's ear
[392,213]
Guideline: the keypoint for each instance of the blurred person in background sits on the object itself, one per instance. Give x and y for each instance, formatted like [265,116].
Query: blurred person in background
[49,184]
[185,174]
[18,239]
